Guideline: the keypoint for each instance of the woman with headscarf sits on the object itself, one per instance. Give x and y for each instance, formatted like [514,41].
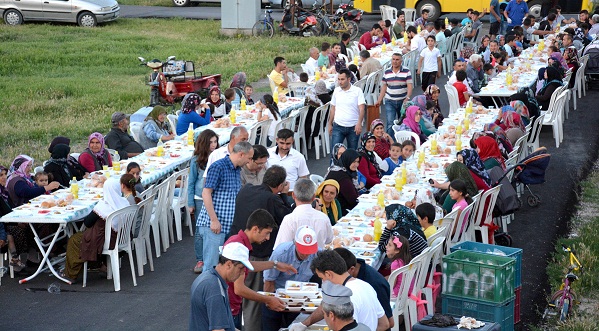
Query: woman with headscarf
[556,57]
[95,156]
[72,162]
[327,193]
[87,245]
[511,123]
[315,97]
[469,157]
[552,82]
[455,170]
[189,113]
[383,140]
[427,126]
[21,187]
[411,122]
[521,109]
[214,102]
[59,167]
[368,164]
[496,133]
[432,93]
[155,128]
[345,173]
[489,153]
[527,96]
[401,220]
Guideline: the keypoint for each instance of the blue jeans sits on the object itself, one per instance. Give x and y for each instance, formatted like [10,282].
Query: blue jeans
[210,244]
[340,133]
[393,111]
[199,242]
[503,28]
[237,321]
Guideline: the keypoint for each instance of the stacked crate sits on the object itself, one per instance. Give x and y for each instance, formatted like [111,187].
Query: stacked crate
[516,253]
[480,286]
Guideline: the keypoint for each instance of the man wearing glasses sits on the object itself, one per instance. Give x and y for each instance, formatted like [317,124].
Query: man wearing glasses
[253,172]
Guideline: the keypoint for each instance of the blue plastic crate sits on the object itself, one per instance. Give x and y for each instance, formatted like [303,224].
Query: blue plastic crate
[515,253]
[502,314]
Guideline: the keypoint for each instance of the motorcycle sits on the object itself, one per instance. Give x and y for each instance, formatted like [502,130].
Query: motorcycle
[348,12]
[305,22]
[171,80]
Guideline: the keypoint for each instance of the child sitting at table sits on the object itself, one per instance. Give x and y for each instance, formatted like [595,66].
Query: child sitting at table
[304,77]
[407,149]
[459,193]
[398,251]
[426,216]
[463,95]
[490,73]
[42,179]
[134,169]
[229,97]
[394,159]
[248,90]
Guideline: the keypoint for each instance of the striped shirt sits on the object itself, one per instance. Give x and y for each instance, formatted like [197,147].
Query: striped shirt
[397,83]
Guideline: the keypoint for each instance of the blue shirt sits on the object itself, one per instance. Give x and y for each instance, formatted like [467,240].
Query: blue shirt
[192,117]
[285,252]
[196,182]
[516,11]
[225,181]
[495,6]
[378,283]
[392,165]
[210,304]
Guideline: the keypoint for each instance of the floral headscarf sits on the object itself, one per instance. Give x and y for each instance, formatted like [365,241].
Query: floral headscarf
[511,119]
[375,123]
[18,168]
[430,90]
[333,207]
[320,87]
[100,137]
[401,214]
[409,119]
[369,155]
[190,102]
[336,148]
[3,190]
[521,109]
[420,102]
[557,56]
[488,149]
[473,162]
[209,97]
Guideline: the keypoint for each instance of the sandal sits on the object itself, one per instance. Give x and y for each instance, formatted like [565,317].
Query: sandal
[16,264]
[198,268]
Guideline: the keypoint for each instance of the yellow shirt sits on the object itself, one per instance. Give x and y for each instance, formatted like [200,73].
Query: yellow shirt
[431,230]
[277,79]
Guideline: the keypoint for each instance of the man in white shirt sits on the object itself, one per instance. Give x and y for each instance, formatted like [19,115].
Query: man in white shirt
[287,157]
[330,266]
[238,134]
[305,214]
[347,111]
[416,41]
[312,62]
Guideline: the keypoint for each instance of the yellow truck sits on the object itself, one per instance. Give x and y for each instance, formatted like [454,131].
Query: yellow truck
[439,7]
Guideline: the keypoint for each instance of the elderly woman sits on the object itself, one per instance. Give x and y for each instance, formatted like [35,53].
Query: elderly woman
[383,140]
[21,188]
[369,166]
[95,156]
[345,173]
[455,170]
[87,245]
[327,193]
[215,103]
[411,122]
[432,93]
[59,167]
[189,115]
[155,128]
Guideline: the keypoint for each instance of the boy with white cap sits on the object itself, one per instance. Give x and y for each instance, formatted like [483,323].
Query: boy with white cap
[209,300]
[338,308]
[298,253]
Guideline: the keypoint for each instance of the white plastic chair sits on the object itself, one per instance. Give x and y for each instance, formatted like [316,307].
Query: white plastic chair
[400,303]
[483,214]
[173,120]
[429,285]
[135,128]
[141,243]
[373,85]
[535,132]
[179,204]
[125,217]
[318,125]
[344,58]
[554,117]
[452,95]
[261,127]
[441,232]
[461,224]
[308,69]
[420,277]
[160,216]
[298,89]
[316,179]
[388,13]
[410,14]
[578,83]
[401,136]
[299,136]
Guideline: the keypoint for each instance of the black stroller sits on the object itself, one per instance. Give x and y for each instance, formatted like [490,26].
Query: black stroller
[531,171]
[592,67]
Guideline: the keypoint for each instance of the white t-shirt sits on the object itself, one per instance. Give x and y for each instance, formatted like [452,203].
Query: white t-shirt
[430,59]
[294,163]
[418,43]
[273,124]
[367,308]
[347,111]
[312,64]
[508,50]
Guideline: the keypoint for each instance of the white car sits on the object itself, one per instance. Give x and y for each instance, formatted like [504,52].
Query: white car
[87,13]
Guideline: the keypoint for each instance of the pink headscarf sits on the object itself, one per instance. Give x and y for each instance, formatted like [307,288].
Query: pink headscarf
[409,120]
[559,58]
[100,137]
[18,168]
[511,119]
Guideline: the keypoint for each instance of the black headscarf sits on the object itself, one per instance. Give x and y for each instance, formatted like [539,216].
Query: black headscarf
[369,155]
[58,140]
[60,154]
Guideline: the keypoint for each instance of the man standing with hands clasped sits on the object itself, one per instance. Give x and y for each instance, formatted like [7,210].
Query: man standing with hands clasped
[396,89]
[514,13]
[347,111]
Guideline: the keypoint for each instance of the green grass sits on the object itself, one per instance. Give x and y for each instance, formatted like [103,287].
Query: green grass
[586,244]
[60,79]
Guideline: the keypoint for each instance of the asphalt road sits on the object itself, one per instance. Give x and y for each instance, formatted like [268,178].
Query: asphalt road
[161,299]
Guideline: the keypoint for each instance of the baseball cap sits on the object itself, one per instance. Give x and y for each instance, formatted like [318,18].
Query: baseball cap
[237,252]
[118,116]
[305,240]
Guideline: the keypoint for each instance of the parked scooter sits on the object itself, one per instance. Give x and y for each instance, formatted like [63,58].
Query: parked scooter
[305,22]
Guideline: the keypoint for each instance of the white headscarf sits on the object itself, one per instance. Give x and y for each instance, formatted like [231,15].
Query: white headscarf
[113,200]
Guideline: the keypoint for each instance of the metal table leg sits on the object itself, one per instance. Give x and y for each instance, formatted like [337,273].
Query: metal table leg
[46,249]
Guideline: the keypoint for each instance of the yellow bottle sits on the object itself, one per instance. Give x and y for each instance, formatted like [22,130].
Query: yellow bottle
[116,166]
[421,157]
[324,69]
[404,171]
[317,76]
[398,183]
[393,41]
[233,116]
[378,229]
[190,135]
[243,105]
[356,60]
[467,123]
[458,129]
[74,188]
[541,45]
[405,37]
[160,148]
[384,47]
[458,143]
[419,29]
[434,146]
[380,198]
[446,22]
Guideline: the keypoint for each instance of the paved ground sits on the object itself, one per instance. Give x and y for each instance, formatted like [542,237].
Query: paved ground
[161,299]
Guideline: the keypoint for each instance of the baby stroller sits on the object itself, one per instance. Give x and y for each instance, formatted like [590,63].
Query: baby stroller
[592,66]
[531,171]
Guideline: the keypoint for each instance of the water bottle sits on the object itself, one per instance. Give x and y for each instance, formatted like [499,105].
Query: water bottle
[74,188]
[54,288]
